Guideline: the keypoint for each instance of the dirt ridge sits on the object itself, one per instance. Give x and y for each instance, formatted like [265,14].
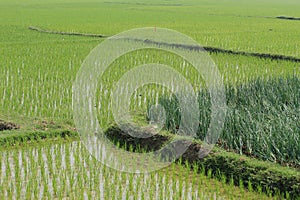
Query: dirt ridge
[33,28]
[219,50]
[287,18]
[262,174]
[183,46]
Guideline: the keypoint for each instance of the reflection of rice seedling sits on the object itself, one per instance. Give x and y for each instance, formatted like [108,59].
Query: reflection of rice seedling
[66,170]
[259,64]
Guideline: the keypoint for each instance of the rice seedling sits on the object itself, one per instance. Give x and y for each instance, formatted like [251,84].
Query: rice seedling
[37,71]
[66,170]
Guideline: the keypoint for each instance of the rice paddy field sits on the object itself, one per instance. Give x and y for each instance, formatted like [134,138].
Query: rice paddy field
[255,46]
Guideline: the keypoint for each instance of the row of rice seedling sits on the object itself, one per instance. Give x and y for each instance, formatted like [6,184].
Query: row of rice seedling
[37,71]
[44,92]
[255,106]
[67,170]
[263,112]
[38,82]
[218,26]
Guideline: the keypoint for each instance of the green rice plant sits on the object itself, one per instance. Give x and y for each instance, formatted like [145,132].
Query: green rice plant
[262,119]
[89,178]
[37,71]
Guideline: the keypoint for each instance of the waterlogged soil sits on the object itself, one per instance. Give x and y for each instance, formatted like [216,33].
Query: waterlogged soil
[66,171]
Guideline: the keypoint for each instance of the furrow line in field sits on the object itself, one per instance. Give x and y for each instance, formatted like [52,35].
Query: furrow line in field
[183,46]
[65,33]
[218,50]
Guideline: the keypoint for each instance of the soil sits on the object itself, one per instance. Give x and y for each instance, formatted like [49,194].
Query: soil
[149,140]
[219,50]
[152,142]
[288,18]
[8,126]
[33,28]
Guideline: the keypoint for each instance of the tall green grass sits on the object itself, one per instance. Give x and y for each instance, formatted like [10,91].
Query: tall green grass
[263,118]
